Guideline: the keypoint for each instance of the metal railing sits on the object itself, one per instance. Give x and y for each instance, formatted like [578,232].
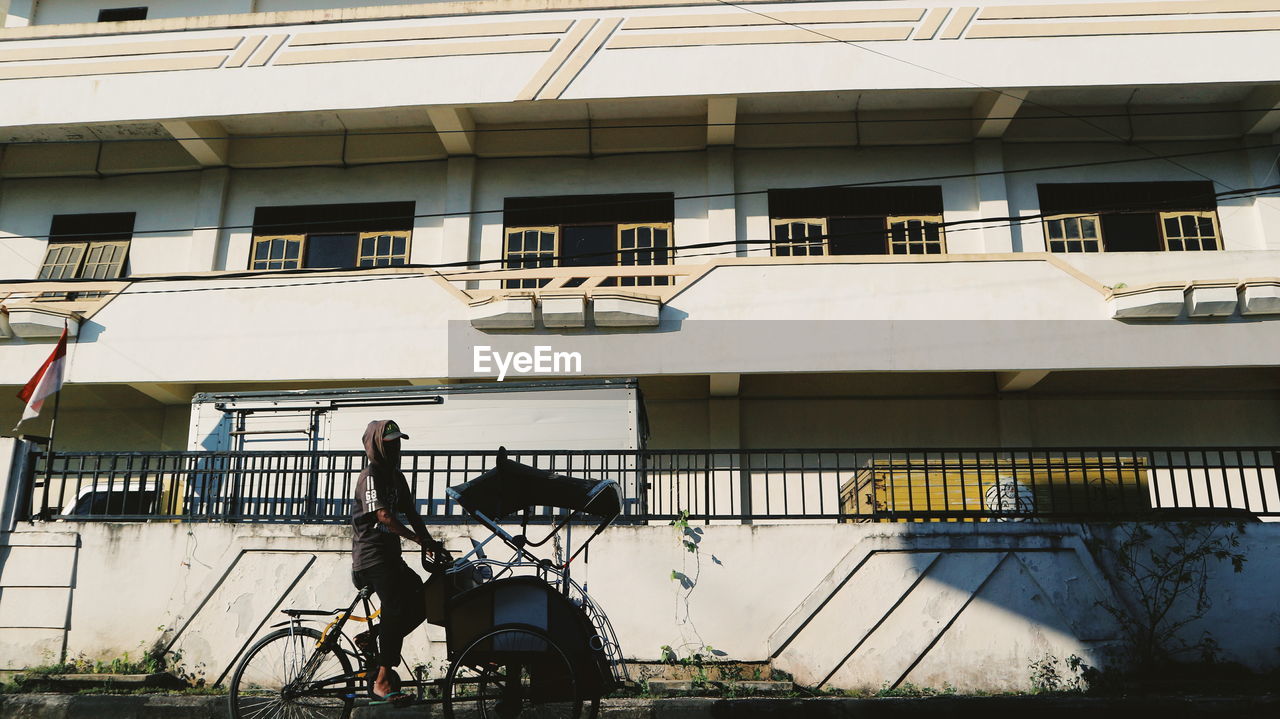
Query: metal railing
[800,485]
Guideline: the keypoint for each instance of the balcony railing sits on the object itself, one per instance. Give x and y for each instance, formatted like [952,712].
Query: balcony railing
[837,485]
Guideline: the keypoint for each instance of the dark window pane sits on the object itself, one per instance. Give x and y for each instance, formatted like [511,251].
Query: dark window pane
[1061,199]
[589,209]
[855,201]
[857,236]
[331,251]
[588,246]
[1134,232]
[120,14]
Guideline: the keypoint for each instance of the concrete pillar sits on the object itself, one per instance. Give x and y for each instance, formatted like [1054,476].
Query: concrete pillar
[457,243]
[1264,169]
[1014,416]
[210,213]
[993,198]
[17,13]
[722,212]
[14,454]
[724,423]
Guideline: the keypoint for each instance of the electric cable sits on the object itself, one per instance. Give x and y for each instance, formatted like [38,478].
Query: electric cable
[971,83]
[677,198]
[977,224]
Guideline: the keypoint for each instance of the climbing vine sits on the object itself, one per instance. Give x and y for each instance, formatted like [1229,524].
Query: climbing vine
[693,650]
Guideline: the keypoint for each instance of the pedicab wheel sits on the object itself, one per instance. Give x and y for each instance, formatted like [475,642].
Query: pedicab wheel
[270,679]
[511,672]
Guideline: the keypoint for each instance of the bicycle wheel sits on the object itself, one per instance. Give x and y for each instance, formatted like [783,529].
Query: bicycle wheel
[512,672]
[285,675]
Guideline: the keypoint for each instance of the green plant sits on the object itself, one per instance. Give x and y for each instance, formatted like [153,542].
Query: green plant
[907,689]
[1161,572]
[1047,678]
[694,651]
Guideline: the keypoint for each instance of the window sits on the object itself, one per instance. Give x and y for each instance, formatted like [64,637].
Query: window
[857,221]
[1190,230]
[1130,217]
[120,14]
[589,231]
[331,236]
[91,246]
[800,237]
[1073,233]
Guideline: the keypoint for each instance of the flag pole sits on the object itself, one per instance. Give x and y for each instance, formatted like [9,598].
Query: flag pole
[53,423]
[57,403]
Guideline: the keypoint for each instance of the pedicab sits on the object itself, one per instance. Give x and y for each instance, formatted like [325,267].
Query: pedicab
[523,638]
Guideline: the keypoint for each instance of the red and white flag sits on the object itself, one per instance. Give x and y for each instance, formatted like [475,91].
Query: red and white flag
[47,380]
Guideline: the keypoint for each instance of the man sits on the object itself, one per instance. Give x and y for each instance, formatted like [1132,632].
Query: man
[381,492]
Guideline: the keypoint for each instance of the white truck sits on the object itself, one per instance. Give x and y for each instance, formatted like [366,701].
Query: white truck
[273,455]
[554,415]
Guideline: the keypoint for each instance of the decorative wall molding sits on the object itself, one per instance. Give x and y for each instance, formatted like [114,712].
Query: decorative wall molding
[569,44]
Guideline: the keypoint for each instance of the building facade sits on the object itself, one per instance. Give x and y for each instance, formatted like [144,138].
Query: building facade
[862,225]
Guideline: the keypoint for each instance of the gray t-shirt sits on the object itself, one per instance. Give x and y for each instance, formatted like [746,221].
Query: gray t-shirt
[371,542]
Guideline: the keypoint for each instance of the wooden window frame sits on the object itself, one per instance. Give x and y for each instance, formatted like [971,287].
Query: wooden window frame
[891,220]
[262,239]
[822,244]
[1211,214]
[1097,223]
[508,255]
[669,249]
[302,238]
[556,231]
[116,265]
[72,266]
[82,250]
[361,257]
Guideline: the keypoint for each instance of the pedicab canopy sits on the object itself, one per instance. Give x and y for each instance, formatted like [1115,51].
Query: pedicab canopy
[512,487]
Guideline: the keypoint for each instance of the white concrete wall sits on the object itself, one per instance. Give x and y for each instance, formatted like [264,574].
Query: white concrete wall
[948,316]
[52,12]
[683,69]
[755,595]
[1239,221]
[167,203]
[423,184]
[179,201]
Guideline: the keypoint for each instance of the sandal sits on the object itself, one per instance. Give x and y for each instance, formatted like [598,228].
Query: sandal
[396,699]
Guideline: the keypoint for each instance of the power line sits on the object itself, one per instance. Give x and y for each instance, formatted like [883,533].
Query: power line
[971,83]
[678,198]
[982,223]
[648,126]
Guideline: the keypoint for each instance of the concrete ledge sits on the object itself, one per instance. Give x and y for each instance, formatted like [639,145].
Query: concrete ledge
[569,310]
[622,309]
[1260,298]
[31,323]
[508,313]
[1211,300]
[76,682]
[64,706]
[1159,302]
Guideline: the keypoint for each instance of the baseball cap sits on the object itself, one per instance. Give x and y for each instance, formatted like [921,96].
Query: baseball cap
[392,431]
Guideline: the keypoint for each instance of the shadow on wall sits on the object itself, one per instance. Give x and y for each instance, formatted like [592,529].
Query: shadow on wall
[945,605]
